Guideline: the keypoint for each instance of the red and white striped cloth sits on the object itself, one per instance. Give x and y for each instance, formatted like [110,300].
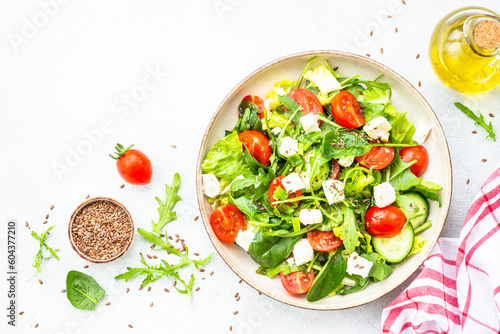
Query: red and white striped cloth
[458,289]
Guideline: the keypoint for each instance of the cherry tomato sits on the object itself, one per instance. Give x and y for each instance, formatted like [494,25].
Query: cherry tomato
[378,156]
[307,101]
[419,153]
[346,110]
[258,146]
[277,183]
[385,222]
[227,221]
[297,282]
[334,169]
[323,241]
[258,102]
[133,166]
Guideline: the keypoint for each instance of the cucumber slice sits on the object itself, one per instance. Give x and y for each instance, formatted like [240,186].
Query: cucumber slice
[420,216]
[305,175]
[395,249]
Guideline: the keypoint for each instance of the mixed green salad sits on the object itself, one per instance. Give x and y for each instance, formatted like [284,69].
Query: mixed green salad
[320,183]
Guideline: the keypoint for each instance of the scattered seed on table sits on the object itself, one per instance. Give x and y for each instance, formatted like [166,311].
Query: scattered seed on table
[87,197]
[211,273]
[140,288]
[149,256]
[175,283]
[418,55]
[47,216]
[170,237]
[166,290]
[474,131]
[57,250]
[52,207]
[389,16]
[238,299]
[491,115]
[126,291]
[151,305]
[196,254]
[396,29]
[240,281]
[174,146]
[381,50]
[202,270]
[235,312]
[197,289]
[484,160]
[26,224]
[40,281]
[45,222]
[368,55]
[86,266]
[130,326]
[36,325]
[403,1]
[63,290]
[371,33]
[108,303]
[230,328]
[236,295]
[419,84]
[468,181]
[153,246]
[122,186]
[196,218]
[260,293]
[155,257]
[203,278]
[21,313]
[149,289]
[176,235]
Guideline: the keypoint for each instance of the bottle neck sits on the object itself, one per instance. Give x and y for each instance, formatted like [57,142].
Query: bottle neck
[483,34]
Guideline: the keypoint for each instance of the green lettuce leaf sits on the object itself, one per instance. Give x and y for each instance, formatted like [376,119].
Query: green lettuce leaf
[272,97]
[225,159]
[418,244]
[430,190]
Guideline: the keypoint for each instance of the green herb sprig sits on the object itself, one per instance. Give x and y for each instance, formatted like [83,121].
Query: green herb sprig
[37,263]
[164,209]
[478,119]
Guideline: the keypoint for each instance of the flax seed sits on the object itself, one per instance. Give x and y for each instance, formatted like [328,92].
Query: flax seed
[140,288]
[468,181]
[87,197]
[381,50]
[174,146]
[418,56]
[396,29]
[371,33]
[52,207]
[175,283]
[196,218]
[236,295]
[153,246]
[491,114]
[45,222]
[202,270]
[166,290]
[474,131]
[368,55]
[389,16]
[126,291]
[40,281]
[155,257]
[47,216]
[151,305]
[36,325]
[57,250]
[235,312]
[211,273]
[26,224]
[230,328]
[197,289]
[484,160]
[108,303]
[149,256]
[149,289]
[419,84]
[240,281]
[404,2]
[129,325]
[196,254]
[238,299]
[21,313]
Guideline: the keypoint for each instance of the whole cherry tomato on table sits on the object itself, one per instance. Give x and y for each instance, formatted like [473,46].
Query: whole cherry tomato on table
[385,222]
[346,110]
[133,166]
[257,145]
[419,153]
[227,221]
[297,282]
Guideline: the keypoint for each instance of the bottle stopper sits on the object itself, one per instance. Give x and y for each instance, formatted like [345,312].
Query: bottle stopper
[487,34]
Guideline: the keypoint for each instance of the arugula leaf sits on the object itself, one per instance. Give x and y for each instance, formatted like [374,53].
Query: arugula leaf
[225,159]
[401,176]
[402,129]
[250,209]
[83,291]
[429,189]
[478,119]
[164,209]
[253,185]
[292,107]
[270,251]
[339,143]
[37,263]
[328,279]
[373,110]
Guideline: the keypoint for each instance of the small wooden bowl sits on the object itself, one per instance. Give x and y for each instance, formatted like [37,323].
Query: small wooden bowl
[72,220]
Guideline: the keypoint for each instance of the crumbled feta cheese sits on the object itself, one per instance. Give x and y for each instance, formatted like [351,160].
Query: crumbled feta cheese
[421,133]
[384,194]
[280,91]
[309,123]
[292,183]
[310,216]
[276,131]
[377,127]
[346,161]
[302,252]
[288,146]
[245,238]
[211,186]
[334,191]
[290,261]
[357,265]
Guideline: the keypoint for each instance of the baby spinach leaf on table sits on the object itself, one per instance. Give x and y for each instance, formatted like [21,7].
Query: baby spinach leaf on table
[479,120]
[401,176]
[429,189]
[83,291]
[328,279]
[270,251]
[164,209]
[340,143]
[37,263]
[225,159]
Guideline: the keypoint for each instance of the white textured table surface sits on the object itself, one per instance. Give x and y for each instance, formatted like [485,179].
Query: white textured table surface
[69,74]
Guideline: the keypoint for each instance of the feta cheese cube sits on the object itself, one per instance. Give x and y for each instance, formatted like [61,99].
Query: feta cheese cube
[334,191]
[288,146]
[276,131]
[346,161]
[377,127]
[357,265]
[245,238]
[292,183]
[384,194]
[302,252]
[421,133]
[310,123]
[310,216]
[211,186]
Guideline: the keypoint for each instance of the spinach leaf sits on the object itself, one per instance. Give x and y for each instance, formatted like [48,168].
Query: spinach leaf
[82,291]
[328,279]
[249,117]
[164,209]
[253,163]
[340,143]
[430,190]
[253,185]
[270,251]
[250,209]
[226,158]
[361,283]
[349,230]
[478,119]
[401,176]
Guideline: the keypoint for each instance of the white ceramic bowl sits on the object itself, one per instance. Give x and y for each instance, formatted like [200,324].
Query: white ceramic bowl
[405,99]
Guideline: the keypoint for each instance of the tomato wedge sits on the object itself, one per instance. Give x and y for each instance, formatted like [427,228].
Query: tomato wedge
[297,282]
[346,110]
[277,183]
[307,101]
[258,146]
[378,157]
[419,153]
[323,241]
[385,222]
[258,102]
[227,221]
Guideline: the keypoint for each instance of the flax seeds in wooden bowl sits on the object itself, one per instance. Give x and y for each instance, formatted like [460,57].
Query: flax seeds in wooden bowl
[101,230]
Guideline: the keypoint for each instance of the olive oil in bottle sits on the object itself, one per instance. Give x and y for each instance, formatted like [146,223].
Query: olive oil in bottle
[465,50]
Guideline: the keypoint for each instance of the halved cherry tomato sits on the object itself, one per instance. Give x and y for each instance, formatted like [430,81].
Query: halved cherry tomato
[323,241]
[334,169]
[258,102]
[419,153]
[385,222]
[227,221]
[346,110]
[258,146]
[277,183]
[297,282]
[378,156]
[307,101]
